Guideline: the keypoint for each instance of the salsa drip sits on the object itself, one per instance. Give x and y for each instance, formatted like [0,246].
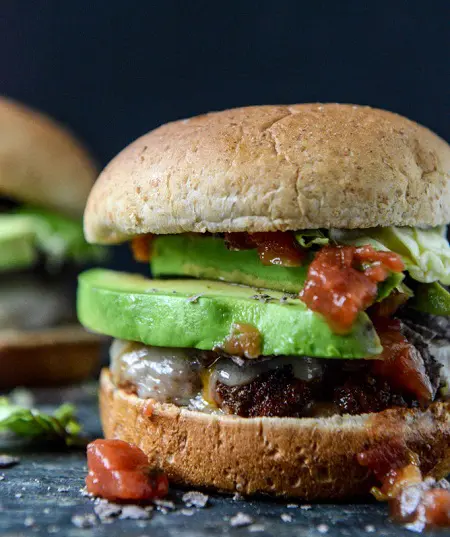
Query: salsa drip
[119,471]
[342,281]
[244,340]
[417,502]
[274,248]
[141,248]
[401,364]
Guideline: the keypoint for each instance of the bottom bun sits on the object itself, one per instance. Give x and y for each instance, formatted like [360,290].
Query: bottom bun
[50,357]
[310,458]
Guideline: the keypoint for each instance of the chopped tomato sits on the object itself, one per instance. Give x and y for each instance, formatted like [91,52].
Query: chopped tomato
[119,471]
[401,363]
[141,247]
[342,281]
[274,248]
[412,500]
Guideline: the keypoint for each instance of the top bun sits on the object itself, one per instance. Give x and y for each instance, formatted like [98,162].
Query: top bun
[267,168]
[41,163]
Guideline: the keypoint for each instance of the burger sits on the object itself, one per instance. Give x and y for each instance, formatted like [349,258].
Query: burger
[45,178]
[298,314]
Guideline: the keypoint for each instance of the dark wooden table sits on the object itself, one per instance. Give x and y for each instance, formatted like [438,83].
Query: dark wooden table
[41,496]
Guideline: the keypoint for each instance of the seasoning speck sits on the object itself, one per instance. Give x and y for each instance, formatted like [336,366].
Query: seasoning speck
[285,517]
[241,519]
[195,499]
[6,461]
[262,297]
[83,521]
[322,528]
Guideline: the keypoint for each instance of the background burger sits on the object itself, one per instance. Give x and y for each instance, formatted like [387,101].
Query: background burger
[45,178]
[299,315]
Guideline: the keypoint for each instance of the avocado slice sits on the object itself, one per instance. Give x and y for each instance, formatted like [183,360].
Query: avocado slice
[201,314]
[208,257]
[431,298]
[17,250]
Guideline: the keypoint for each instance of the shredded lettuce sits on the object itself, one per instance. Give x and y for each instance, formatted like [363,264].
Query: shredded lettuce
[311,237]
[425,252]
[61,427]
[59,238]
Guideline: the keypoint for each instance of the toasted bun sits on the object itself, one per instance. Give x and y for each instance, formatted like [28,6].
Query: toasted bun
[41,163]
[308,458]
[267,168]
[47,357]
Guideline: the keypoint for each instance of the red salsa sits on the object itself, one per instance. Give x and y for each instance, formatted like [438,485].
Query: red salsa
[274,248]
[419,503]
[342,281]
[119,471]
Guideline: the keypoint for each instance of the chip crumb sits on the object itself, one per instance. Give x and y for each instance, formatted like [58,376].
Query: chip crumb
[241,519]
[187,512]
[370,528]
[29,521]
[322,528]
[194,498]
[285,517]
[135,512]
[6,461]
[254,528]
[83,521]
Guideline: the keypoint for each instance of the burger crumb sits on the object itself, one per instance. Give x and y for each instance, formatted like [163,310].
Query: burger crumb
[306,507]
[106,511]
[187,512]
[285,517]
[292,506]
[238,497]
[254,528]
[370,528]
[135,512]
[322,528]
[83,521]
[164,506]
[29,521]
[6,461]
[240,520]
[195,499]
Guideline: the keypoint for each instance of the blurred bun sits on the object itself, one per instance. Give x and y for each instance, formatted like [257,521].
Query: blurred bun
[41,162]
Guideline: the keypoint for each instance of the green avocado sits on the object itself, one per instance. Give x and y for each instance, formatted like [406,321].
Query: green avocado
[17,249]
[201,314]
[208,257]
[431,298]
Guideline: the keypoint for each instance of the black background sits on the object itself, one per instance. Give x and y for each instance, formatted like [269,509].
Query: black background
[112,70]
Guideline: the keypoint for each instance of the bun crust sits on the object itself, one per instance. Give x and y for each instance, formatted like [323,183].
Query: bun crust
[50,357]
[267,168]
[41,163]
[307,458]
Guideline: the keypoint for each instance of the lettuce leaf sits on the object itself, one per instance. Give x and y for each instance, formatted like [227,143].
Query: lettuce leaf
[425,252]
[62,427]
[431,298]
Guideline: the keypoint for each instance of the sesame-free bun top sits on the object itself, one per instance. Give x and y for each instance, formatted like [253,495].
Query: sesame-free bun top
[267,168]
[41,163]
